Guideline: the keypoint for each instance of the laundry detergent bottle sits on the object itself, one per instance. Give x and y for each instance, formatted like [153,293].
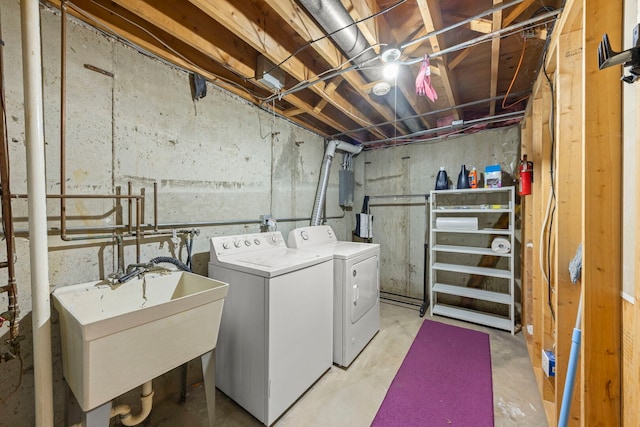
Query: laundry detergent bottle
[463,178]
[442,180]
[473,178]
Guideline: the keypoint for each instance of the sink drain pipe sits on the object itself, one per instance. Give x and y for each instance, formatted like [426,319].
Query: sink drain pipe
[146,400]
[321,192]
[124,410]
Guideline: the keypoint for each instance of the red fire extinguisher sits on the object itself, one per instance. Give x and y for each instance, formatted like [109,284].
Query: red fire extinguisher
[526,176]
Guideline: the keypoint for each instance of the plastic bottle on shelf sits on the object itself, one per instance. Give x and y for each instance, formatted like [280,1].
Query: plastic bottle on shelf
[463,178]
[442,180]
[473,178]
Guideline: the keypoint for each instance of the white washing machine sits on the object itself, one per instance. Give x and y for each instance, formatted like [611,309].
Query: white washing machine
[276,332]
[356,288]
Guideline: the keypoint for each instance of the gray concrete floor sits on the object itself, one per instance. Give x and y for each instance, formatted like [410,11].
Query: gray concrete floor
[351,397]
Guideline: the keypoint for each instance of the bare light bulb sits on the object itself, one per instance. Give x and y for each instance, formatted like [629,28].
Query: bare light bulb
[390,70]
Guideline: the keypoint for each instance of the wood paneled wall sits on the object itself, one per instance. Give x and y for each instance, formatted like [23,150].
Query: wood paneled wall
[572,132]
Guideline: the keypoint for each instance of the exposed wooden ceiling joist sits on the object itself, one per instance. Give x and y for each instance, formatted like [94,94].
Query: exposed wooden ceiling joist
[495,58]
[431,16]
[310,32]
[360,11]
[512,16]
[248,28]
[223,39]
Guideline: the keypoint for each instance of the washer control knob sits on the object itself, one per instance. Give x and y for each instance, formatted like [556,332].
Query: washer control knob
[256,241]
[247,243]
[236,243]
[226,245]
[304,235]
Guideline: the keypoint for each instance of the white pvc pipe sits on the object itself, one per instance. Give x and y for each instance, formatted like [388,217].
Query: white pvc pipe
[36,188]
[146,401]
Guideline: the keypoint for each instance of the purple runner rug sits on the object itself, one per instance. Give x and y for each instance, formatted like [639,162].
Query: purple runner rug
[445,380]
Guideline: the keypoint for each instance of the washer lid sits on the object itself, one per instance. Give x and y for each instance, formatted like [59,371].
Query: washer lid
[272,262]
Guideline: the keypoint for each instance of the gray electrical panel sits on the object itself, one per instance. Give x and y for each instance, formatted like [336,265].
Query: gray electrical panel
[346,188]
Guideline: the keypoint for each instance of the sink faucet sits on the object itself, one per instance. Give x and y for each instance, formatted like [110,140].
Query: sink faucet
[130,274]
[137,269]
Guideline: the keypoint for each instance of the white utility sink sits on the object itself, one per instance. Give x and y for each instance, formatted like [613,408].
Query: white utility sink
[117,337]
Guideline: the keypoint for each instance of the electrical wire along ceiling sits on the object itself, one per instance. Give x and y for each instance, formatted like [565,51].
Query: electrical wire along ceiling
[376,72]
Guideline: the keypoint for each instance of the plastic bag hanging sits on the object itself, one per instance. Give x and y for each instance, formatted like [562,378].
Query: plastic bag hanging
[423,81]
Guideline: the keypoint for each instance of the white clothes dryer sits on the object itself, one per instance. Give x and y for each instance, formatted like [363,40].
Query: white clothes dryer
[275,335]
[356,288]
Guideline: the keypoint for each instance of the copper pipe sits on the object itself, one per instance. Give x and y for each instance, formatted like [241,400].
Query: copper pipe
[130,190]
[120,248]
[138,203]
[82,196]
[63,119]
[155,207]
[14,324]
[142,193]
[7,218]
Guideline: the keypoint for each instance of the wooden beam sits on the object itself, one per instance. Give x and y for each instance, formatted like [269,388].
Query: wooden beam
[516,12]
[362,9]
[512,16]
[329,90]
[246,26]
[431,16]
[459,58]
[568,190]
[291,112]
[601,207]
[484,26]
[406,81]
[308,30]
[495,58]
[526,242]
[546,291]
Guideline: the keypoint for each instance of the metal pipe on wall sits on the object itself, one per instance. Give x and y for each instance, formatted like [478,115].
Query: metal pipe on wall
[63,143]
[65,234]
[63,118]
[37,208]
[7,222]
[459,46]
[333,16]
[323,182]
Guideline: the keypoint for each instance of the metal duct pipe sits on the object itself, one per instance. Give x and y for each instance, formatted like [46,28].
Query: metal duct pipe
[332,16]
[321,192]
[36,188]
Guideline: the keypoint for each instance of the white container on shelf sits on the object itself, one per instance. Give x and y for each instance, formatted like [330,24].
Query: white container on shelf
[457,223]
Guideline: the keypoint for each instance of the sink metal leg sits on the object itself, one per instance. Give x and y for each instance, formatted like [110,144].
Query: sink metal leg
[209,374]
[97,417]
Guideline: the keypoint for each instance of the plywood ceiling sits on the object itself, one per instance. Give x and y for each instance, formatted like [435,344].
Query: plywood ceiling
[484,57]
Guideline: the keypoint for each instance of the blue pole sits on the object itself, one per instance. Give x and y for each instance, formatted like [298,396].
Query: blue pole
[567,395]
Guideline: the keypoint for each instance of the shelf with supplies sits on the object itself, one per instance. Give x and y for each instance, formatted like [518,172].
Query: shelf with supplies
[472,236]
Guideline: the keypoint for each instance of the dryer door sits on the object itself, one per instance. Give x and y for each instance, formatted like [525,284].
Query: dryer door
[363,278]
